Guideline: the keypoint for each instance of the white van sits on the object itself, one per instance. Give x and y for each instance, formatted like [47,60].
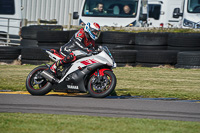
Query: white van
[125,13]
[189,14]
[10,19]
[160,13]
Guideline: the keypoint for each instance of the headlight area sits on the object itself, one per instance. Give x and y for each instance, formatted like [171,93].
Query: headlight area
[190,24]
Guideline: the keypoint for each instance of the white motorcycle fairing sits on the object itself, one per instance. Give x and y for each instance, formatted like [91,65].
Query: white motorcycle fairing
[101,58]
[77,73]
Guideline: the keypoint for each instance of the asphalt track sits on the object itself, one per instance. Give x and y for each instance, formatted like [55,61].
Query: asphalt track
[85,105]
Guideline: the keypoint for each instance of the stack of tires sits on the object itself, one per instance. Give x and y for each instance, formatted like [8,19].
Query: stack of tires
[152,50]
[144,49]
[189,46]
[9,53]
[121,45]
[32,52]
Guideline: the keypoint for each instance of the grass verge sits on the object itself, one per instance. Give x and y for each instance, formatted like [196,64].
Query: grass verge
[141,81]
[20,122]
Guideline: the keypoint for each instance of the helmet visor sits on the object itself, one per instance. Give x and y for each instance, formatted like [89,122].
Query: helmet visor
[96,32]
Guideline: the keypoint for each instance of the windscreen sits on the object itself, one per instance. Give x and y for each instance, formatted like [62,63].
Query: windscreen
[194,6]
[154,11]
[7,7]
[110,8]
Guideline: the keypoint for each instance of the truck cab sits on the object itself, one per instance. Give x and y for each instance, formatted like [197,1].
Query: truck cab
[115,13]
[160,13]
[189,14]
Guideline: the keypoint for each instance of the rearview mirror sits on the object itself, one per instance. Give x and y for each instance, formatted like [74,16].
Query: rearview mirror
[143,17]
[176,13]
[75,15]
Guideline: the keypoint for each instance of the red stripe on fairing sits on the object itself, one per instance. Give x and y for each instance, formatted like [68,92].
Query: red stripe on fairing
[88,62]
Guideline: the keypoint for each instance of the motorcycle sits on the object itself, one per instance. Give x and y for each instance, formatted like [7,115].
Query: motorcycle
[90,73]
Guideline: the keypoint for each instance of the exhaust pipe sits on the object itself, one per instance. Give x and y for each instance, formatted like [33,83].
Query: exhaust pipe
[49,77]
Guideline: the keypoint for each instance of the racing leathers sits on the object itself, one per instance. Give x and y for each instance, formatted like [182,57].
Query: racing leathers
[79,42]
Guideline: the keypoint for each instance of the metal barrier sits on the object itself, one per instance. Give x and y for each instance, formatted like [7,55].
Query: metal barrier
[6,37]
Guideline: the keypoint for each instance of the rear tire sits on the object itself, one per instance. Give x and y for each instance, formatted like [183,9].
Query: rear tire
[37,85]
[104,91]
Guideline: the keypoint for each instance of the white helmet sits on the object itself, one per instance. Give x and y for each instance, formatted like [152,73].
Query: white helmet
[93,29]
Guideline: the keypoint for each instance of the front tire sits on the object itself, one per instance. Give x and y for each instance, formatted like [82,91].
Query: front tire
[103,88]
[36,84]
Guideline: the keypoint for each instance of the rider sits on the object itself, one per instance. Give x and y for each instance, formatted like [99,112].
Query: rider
[83,40]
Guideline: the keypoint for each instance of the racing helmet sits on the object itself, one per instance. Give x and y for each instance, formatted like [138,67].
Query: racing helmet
[93,29]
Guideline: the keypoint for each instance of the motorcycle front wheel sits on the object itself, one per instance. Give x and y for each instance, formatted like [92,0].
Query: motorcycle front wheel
[100,87]
[36,84]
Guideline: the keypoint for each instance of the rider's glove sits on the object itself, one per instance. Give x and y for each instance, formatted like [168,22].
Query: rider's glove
[89,51]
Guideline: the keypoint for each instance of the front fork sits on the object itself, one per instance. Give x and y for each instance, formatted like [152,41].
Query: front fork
[98,75]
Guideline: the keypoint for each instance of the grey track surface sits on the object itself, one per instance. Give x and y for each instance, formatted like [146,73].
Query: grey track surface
[84,105]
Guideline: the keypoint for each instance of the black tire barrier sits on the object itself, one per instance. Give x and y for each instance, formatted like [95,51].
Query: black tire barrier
[53,36]
[30,32]
[187,67]
[9,56]
[124,56]
[184,48]
[7,60]
[33,62]
[99,40]
[157,56]
[50,45]
[34,54]
[151,39]
[126,64]
[146,47]
[48,27]
[10,49]
[184,39]
[118,46]
[118,37]
[29,43]
[149,65]
[8,53]
[72,33]
[188,59]
[152,47]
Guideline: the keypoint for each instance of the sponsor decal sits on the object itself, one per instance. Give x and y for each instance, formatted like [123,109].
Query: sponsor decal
[89,61]
[72,87]
[79,34]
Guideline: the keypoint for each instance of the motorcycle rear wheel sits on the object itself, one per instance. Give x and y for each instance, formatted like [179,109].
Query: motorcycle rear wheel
[36,84]
[105,87]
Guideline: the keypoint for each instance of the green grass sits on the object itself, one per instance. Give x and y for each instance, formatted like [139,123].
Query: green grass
[33,123]
[141,81]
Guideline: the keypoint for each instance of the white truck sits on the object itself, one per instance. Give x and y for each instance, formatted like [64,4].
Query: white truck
[160,13]
[125,13]
[189,14]
[10,21]
[173,13]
